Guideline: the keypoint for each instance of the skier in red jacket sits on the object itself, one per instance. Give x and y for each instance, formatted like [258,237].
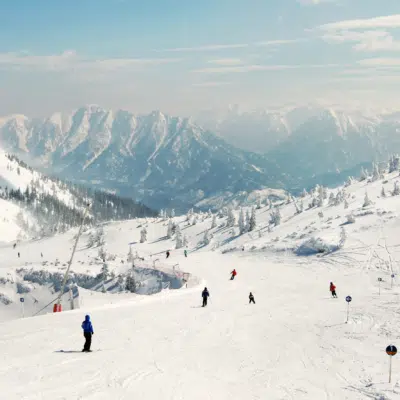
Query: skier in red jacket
[332,288]
[234,273]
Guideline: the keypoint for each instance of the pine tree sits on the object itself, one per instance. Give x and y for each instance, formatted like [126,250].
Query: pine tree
[383,193]
[102,253]
[304,193]
[375,172]
[253,222]
[275,217]
[206,238]
[185,241]
[131,283]
[346,204]
[396,189]
[104,271]
[178,237]
[259,205]
[321,195]
[349,182]
[367,201]
[143,235]
[170,229]
[332,199]
[130,257]
[247,221]
[241,222]
[172,213]
[231,221]
[363,174]
[214,222]
[394,163]
[343,237]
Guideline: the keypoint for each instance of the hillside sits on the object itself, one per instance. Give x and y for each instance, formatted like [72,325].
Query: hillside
[293,343]
[36,205]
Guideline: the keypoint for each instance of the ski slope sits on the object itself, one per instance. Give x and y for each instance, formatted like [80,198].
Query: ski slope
[292,344]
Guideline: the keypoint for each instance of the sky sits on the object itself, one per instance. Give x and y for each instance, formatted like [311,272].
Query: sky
[186,56]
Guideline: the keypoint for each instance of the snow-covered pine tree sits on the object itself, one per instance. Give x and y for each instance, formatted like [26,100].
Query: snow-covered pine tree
[396,189]
[231,220]
[332,199]
[90,241]
[343,237]
[253,222]
[350,219]
[195,220]
[241,222]
[375,172]
[367,201]
[304,193]
[102,253]
[259,205]
[321,195]
[185,241]
[170,229]
[383,193]
[143,235]
[131,283]
[214,222]
[130,257]
[206,238]
[394,163]
[179,241]
[172,213]
[104,271]
[349,182]
[363,174]
[247,221]
[275,217]
[346,204]
[189,215]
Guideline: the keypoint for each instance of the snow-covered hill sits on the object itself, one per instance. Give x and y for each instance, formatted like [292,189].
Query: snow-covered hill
[293,343]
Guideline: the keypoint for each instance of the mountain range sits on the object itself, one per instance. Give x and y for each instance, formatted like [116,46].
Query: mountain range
[167,161]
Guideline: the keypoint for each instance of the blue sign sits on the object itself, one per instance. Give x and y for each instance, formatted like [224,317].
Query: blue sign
[21,299]
[348,299]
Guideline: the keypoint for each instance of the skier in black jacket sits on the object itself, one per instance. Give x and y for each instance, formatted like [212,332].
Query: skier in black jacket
[251,298]
[205,294]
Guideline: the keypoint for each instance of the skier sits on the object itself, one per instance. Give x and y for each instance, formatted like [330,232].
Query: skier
[168,253]
[332,289]
[251,298]
[234,273]
[87,333]
[15,245]
[19,255]
[205,294]
[185,253]
[41,255]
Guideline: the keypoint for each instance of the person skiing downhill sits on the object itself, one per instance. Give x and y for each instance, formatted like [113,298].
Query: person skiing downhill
[234,273]
[167,253]
[185,253]
[87,333]
[205,295]
[332,289]
[251,298]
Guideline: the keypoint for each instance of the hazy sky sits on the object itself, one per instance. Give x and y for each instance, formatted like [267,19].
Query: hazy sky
[180,56]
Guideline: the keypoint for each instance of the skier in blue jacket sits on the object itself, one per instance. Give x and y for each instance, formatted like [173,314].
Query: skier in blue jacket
[87,333]
[205,294]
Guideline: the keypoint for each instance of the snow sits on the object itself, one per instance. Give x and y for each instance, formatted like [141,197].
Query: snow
[292,344]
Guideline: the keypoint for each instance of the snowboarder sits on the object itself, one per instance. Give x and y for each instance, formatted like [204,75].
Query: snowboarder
[185,253]
[251,298]
[205,294]
[234,273]
[332,288]
[87,333]
[168,253]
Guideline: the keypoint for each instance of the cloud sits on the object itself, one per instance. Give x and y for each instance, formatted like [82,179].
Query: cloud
[254,68]
[380,62]
[226,61]
[70,60]
[390,21]
[211,84]
[366,34]
[211,47]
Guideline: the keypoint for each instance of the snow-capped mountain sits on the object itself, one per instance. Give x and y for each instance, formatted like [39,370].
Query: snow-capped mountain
[155,158]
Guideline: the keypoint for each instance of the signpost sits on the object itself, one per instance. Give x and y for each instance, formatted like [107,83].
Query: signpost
[391,351]
[391,284]
[348,300]
[22,300]
[379,280]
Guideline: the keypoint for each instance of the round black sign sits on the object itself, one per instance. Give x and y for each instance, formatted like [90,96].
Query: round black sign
[391,350]
[348,299]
